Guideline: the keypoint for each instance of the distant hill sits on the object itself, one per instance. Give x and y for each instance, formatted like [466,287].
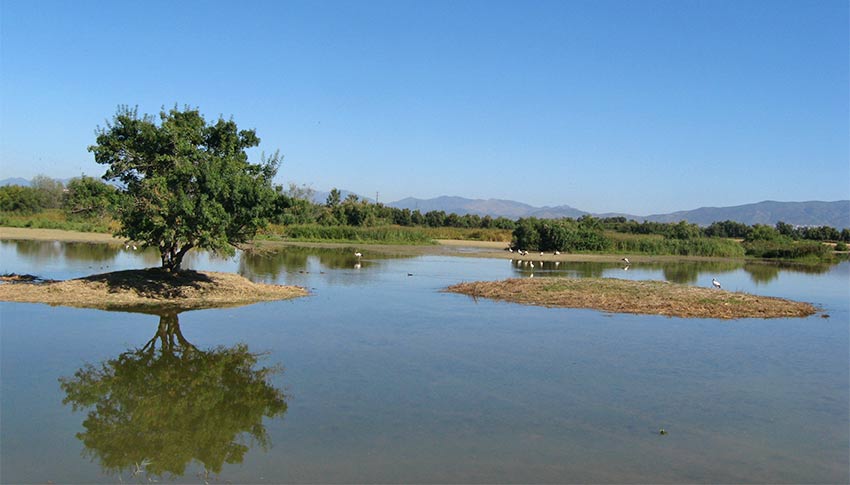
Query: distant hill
[14,181]
[812,213]
[462,206]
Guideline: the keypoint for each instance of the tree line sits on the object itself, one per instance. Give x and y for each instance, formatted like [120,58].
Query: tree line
[88,197]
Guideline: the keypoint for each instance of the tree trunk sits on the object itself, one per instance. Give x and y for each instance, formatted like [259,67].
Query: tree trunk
[172,257]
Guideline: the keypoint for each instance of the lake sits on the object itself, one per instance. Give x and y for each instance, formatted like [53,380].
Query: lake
[378,376]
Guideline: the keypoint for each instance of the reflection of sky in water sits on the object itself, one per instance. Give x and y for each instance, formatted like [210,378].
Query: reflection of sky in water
[392,380]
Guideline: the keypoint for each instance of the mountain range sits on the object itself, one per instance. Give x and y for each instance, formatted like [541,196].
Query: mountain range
[812,213]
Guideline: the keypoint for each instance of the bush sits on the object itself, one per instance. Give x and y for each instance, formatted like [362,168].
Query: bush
[784,249]
[20,199]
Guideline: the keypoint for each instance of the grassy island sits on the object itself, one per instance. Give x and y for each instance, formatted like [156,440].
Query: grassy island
[148,290]
[641,297]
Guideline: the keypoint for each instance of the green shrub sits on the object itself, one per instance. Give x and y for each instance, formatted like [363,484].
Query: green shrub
[787,249]
[379,235]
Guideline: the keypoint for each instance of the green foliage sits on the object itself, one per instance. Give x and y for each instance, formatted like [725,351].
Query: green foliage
[566,235]
[762,232]
[727,229]
[334,198]
[659,245]
[188,183]
[19,199]
[526,234]
[55,219]
[50,191]
[786,248]
[161,408]
[89,197]
[841,246]
[683,231]
[378,235]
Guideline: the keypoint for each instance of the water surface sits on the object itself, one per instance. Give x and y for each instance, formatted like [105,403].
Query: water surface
[378,376]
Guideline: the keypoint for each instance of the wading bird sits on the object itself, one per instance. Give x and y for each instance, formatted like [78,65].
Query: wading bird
[626,260]
[715,283]
[358,254]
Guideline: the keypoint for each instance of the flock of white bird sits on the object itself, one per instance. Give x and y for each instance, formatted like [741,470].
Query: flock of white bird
[530,264]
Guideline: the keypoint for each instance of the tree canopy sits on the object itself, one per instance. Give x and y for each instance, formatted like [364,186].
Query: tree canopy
[188,183]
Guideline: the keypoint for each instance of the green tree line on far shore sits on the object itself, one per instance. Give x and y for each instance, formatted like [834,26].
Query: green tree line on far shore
[296,215]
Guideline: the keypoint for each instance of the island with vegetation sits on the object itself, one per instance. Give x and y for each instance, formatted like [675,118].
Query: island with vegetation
[186,184]
[640,297]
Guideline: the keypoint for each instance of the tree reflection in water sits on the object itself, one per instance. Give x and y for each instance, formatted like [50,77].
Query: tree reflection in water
[157,408]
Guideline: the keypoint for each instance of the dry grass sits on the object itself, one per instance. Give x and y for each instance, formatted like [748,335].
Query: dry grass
[149,290]
[27,233]
[642,297]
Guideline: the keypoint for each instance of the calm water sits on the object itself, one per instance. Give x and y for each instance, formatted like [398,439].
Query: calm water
[380,377]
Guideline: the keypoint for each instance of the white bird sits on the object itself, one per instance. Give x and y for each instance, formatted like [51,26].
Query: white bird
[715,283]
[557,253]
[134,247]
[531,263]
[358,254]
[626,260]
[541,253]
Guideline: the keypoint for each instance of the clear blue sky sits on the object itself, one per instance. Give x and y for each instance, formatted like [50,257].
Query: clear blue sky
[632,106]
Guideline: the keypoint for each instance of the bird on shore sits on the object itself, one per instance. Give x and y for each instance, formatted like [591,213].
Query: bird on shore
[715,283]
[626,260]
[358,254]
[557,253]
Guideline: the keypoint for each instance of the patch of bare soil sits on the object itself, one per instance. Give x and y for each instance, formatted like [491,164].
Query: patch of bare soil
[641,297]
[149,290]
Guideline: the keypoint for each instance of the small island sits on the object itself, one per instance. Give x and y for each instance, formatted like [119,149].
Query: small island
[640,297]
[151,290]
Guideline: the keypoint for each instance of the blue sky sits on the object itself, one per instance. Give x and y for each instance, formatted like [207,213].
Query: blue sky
[629,106]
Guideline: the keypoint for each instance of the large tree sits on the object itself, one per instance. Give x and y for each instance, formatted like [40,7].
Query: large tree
[188,183]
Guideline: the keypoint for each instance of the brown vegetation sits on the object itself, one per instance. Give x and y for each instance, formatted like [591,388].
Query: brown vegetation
[150,290]
[642,297]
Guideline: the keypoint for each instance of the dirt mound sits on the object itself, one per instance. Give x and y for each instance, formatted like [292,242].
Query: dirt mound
[642,297]
[149,290]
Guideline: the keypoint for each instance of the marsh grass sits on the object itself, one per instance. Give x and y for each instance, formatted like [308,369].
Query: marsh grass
[640,297]
[659,245]
[354,234]
[56,219]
